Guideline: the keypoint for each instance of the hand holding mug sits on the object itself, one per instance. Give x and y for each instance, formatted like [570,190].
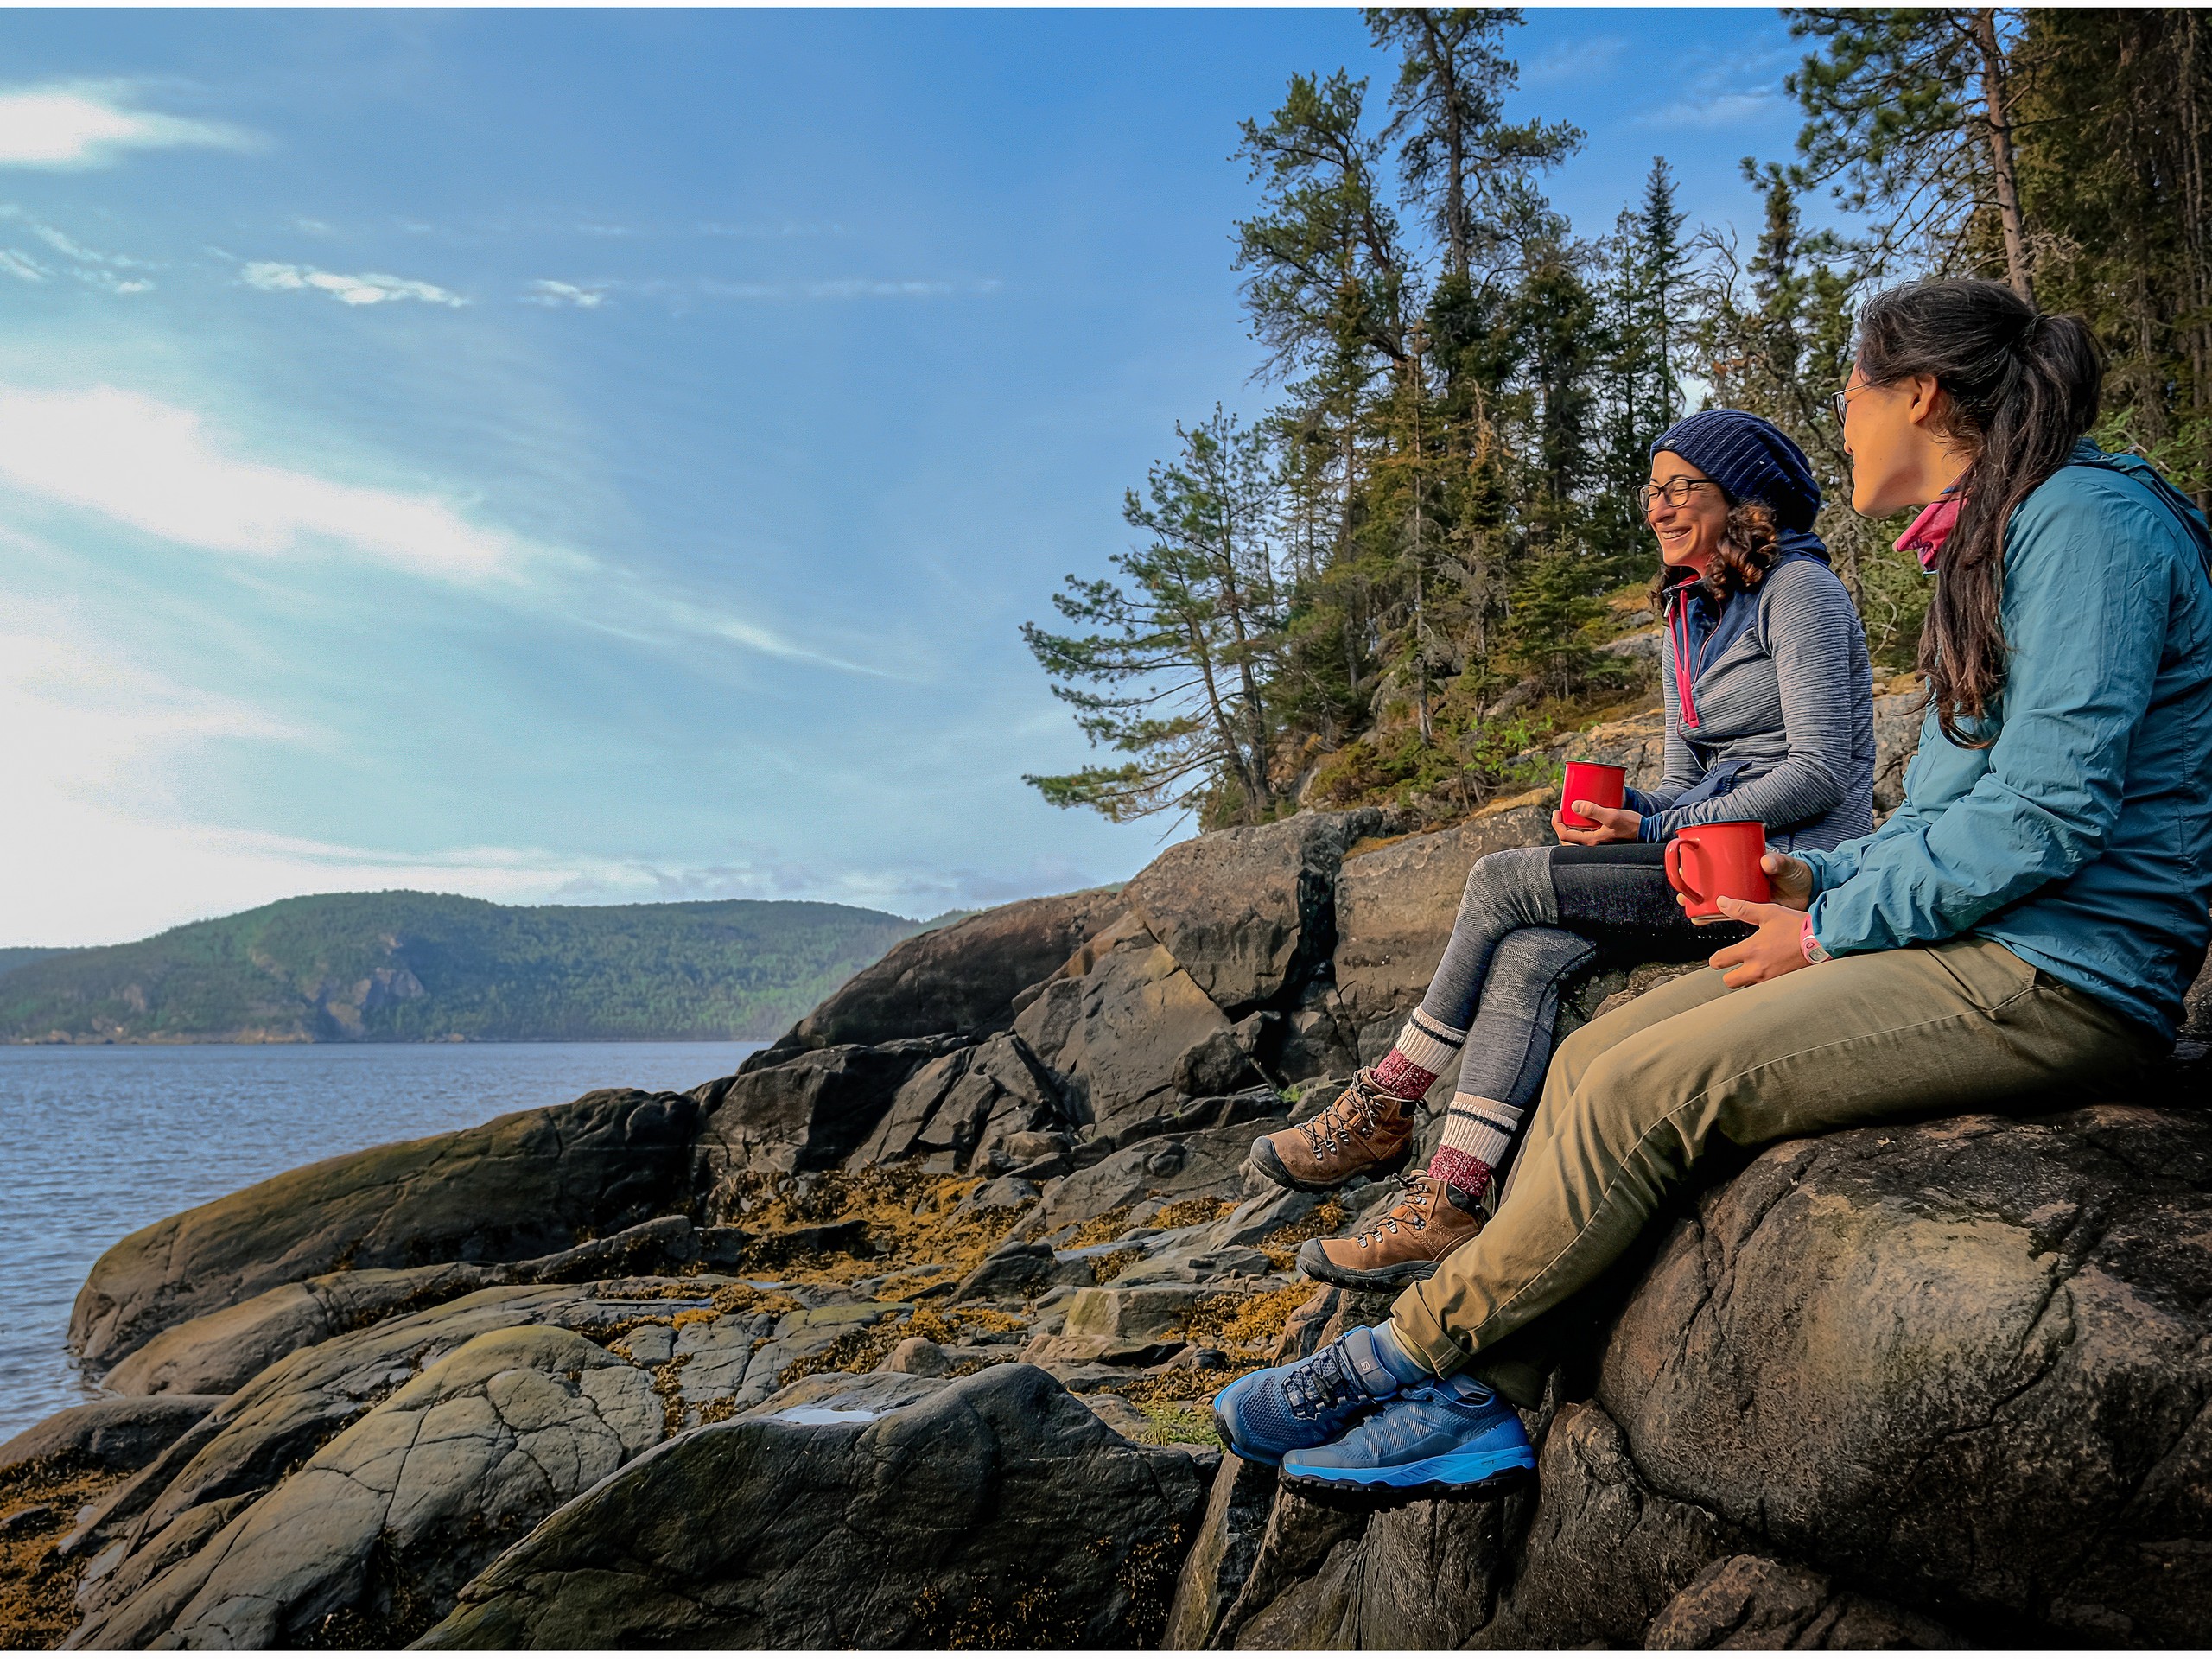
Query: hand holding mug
[1606,824]
[1777,947]
[1590,810]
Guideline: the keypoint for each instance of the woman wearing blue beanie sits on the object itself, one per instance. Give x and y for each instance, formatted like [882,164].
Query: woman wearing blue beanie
[1769,715]
[2021,933]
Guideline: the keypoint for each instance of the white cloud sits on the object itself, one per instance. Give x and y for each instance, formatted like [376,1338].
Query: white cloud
[842,288]
[99,849]
[1579,61]
[109,271]
[90,125]
[587,296]
[1718,110]
[155,467]
[789,228]
[1729,92]
[371,288]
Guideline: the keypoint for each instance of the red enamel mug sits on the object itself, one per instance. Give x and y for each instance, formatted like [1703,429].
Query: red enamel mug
[1707,863]
[1591,781]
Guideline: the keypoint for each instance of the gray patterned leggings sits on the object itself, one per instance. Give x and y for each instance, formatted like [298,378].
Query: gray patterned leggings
[1531,918]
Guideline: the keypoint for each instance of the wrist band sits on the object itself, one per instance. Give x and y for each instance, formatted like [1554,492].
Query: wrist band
[1814,949]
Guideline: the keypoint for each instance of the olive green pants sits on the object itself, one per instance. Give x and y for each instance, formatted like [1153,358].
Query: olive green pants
[1632,1101]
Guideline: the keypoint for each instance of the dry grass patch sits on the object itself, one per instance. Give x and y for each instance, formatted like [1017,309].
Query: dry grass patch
[910,1215]
[1246,1327]
[1194,1212]
[863,1351]
[1104,1269]
[1101,1230]
[1281,1245]
[37,1592]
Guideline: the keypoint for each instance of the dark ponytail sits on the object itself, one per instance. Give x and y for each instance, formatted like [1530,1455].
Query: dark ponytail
[2022,387]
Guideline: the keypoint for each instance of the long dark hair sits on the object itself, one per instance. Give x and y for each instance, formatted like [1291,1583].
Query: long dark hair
[2022,387]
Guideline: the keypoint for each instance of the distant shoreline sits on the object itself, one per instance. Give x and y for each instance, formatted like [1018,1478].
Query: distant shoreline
[361,1042]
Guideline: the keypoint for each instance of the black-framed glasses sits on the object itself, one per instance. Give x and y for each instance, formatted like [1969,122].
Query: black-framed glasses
[1840,404]
[1675,493]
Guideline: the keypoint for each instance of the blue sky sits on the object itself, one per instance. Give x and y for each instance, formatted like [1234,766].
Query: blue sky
[608,455]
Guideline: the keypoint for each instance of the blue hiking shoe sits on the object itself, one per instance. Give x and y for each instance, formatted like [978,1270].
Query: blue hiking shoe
[1450,1434]
[1268,1412]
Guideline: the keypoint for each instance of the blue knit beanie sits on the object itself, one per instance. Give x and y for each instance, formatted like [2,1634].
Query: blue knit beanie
[1751,459]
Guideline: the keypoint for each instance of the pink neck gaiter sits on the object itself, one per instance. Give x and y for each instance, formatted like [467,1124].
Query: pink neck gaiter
[1926,535]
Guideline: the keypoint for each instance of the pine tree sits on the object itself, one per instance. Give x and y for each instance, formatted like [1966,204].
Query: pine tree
[1462,162]
[1644,315]
[1910,110]
[1775,334]
[2115,157]
[1183,652]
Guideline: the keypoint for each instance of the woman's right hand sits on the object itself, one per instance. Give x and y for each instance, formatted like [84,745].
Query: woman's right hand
[1614,824]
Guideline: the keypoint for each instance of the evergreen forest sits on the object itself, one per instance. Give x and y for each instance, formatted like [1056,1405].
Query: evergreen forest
[416,966]
[1422,560]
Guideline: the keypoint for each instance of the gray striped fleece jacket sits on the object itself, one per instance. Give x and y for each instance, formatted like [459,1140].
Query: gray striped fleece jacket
[1782,705]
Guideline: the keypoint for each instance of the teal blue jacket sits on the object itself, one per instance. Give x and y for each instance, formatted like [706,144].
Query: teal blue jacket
[2080,839]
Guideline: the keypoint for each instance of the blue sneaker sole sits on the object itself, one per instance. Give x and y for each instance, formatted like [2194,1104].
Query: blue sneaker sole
[1456,1471]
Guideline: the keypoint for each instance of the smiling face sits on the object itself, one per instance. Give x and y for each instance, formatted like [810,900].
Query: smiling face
[1690,534]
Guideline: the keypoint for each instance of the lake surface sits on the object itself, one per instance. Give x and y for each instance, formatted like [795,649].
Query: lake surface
[99,1142]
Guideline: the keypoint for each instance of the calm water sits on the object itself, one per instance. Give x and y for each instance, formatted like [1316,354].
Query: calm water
[97,1143]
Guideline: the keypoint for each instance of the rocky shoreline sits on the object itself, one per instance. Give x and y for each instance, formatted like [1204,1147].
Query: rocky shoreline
[901,1337]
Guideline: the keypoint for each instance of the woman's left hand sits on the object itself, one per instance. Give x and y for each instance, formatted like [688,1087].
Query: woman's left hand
[1614,824]
[1777,947]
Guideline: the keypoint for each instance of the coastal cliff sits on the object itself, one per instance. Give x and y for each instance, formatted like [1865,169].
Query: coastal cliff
[902,1337]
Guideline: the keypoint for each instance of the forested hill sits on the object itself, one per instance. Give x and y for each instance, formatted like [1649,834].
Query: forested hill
[421,967]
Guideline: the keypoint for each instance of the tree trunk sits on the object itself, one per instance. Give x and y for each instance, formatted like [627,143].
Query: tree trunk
[1262,792]
[1202,658]
[2196,249]
[2000,154]
[1455,146]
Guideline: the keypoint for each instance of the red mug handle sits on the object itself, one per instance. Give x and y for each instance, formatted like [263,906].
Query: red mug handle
[1676,879]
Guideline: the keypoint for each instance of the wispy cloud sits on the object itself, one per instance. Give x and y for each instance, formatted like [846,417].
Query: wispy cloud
[158,468]
[114,273]
[582,296]
[787,230]
[844,287]
[1728,92]
[155,467]
[1720,110]
[370,287]
[591,295]
[1576,60]
[93,124]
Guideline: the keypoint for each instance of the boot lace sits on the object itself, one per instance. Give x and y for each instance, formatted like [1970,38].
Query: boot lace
[1413,1206]
[1334,1124]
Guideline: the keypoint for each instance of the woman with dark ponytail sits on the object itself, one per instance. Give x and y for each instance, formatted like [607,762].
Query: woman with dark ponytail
[2025,924]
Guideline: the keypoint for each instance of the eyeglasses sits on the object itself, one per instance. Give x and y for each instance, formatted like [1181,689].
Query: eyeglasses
[1840,403]
[1676,491]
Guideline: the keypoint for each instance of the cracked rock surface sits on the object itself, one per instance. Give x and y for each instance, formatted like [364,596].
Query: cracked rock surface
[892,1512]
[388,1519]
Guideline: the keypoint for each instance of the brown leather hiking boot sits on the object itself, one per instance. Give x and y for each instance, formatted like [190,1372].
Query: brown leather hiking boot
[1432,1220]
[1363,1132]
